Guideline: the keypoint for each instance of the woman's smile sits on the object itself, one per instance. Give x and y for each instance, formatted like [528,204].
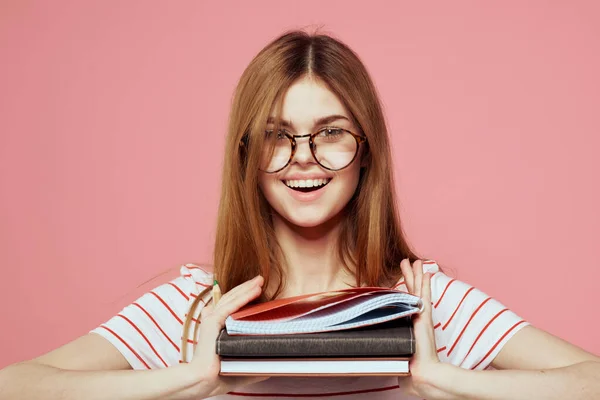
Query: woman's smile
[306,190]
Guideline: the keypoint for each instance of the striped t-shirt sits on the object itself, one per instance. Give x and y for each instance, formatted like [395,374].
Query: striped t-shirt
[470,330]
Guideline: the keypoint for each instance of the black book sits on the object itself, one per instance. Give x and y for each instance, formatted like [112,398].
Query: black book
[390,339]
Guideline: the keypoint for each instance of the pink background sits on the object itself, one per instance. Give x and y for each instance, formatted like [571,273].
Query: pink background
[112,117]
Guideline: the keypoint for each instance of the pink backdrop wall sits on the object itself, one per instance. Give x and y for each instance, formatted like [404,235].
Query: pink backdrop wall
[111,133]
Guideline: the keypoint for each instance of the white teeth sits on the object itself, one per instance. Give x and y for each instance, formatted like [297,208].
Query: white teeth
[307,182]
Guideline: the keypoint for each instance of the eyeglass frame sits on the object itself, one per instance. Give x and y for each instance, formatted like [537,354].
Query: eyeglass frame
[292,139]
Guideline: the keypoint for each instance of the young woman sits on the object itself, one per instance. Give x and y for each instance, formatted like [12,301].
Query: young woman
[307,205]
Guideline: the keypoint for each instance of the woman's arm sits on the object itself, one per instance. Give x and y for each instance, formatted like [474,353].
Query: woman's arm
[92,368]
[542,367]
[533,364]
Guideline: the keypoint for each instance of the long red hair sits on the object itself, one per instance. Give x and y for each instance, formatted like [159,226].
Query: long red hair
[371,239]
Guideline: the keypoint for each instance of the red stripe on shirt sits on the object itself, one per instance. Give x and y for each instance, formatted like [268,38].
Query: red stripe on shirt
[158,326]
[127,345]
[467,324]
[313,394]
[443,293]
[143,336]
[457,307]
[481,333]
[441,349]
[498,342]
[167,307]
[196,267]
[179,290]
[196,282]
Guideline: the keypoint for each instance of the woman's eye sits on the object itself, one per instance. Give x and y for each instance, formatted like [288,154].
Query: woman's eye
[271,134]
[328,132]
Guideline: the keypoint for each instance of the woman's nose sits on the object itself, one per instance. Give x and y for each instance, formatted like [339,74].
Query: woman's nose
[303,154]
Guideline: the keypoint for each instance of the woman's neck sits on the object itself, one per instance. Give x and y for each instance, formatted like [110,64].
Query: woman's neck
[311,257]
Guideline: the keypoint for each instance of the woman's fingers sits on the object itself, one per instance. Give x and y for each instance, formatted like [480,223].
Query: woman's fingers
[242,288]
[407,272]
[426,298]
[424,330]
[234,300]
[418,277]
[212,316]
[426,292]
[413,276]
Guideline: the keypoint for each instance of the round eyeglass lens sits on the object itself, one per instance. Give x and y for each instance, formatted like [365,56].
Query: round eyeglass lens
[277,149]
[334,148]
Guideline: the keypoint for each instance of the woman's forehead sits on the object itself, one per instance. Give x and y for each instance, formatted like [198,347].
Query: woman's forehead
[308,103]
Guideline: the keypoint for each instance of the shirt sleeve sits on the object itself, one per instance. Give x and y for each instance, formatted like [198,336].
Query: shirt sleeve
[149,331]
[470,327]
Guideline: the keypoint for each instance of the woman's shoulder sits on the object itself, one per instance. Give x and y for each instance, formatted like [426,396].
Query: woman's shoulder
[199,275]
[431,266]
[148,332]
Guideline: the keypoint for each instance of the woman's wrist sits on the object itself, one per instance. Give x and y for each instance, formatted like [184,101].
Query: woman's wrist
[192,382]
[439,380]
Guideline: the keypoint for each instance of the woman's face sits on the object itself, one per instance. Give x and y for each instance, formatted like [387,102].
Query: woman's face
[306,103]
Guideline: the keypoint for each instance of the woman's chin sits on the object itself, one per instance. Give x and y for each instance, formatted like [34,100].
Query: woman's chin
[311,219]
[315,216]
[310,222]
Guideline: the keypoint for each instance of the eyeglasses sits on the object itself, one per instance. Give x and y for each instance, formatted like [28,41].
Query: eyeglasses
[332,148]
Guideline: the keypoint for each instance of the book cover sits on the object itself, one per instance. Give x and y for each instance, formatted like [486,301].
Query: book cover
[390,339]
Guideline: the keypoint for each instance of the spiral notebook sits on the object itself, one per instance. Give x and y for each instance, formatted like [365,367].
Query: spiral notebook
[324,312]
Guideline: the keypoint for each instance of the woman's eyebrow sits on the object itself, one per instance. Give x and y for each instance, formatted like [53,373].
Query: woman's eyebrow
[321,121]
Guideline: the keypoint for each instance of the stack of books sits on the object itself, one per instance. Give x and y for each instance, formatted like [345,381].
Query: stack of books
[357,331]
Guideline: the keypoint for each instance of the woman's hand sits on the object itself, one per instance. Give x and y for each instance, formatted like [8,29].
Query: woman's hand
[206,363]
[424,364]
